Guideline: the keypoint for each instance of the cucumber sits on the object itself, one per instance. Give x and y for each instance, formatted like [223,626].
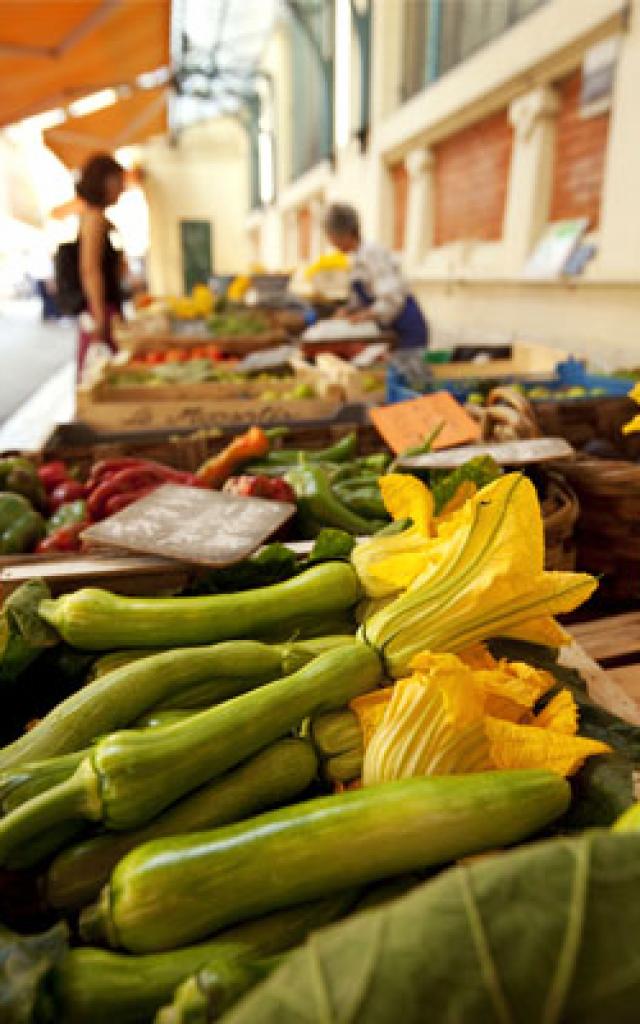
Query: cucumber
[273,776]
[173,891]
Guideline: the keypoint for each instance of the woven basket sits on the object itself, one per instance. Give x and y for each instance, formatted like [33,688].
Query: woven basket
[560,510]
[608,531]
[587,419]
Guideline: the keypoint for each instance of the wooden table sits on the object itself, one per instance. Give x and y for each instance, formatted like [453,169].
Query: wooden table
[614,643]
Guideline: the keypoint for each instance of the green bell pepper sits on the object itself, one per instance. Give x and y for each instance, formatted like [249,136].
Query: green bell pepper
[20,476]
[318,505]
[21,527]
[365,500]
[69,514]
[342,451]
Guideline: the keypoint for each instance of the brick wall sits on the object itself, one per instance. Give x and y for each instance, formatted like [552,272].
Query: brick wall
[471,172]
[399,188]
[581,145]
[304,233]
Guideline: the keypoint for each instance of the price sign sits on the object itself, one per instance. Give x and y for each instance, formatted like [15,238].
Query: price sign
[407,424]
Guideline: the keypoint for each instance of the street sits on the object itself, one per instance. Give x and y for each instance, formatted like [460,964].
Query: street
[30,351]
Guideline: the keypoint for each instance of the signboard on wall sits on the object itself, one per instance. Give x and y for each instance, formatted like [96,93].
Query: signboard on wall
[196,245]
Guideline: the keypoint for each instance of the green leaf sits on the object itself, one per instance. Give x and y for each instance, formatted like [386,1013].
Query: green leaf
[23,634]
[25,961]
[331,545]
[542,935]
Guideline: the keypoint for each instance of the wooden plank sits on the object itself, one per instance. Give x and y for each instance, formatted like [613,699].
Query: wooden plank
[628,679]
[610,637]
[603,687]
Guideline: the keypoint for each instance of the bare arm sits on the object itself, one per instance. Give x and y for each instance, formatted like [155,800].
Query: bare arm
[92,235]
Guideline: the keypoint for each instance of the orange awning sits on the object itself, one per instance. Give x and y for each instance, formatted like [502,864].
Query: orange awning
[54,51]
[129,120]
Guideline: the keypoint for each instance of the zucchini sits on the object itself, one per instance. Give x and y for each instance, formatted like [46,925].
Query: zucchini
[216,987]
[173,891]
[22,784]
[158,719]
[97,620]
[273,776]
[118,698]
[92,986]
[130,777]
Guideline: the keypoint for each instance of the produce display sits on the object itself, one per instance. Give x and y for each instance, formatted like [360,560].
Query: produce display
[210,777]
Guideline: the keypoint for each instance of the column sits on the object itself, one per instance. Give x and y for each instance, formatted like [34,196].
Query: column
[531,173]
[317,240]
[419,228]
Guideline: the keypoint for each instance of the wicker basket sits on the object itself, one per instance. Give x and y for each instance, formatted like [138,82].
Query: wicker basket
[587,419]
[608,531]
[560,511]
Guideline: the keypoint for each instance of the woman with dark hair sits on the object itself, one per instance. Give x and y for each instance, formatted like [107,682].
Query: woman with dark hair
[101,184]
[379,292]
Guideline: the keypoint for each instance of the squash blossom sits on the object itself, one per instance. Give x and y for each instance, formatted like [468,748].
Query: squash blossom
[480,575]
[447,718]
[634,425]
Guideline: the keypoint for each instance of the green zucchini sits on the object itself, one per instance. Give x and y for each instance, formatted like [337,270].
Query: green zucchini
[214,989]
[118,698]
[158,719]
[173,891]
[23,783]
[98,620]
[132,776]
[273,776]
[92,986]
[117,659]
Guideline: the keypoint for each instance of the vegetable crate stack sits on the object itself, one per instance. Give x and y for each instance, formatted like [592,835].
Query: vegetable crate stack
[258,803]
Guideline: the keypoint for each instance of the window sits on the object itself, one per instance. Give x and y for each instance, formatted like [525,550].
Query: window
[196,247]
[399,190]
[352,69]
[439,34]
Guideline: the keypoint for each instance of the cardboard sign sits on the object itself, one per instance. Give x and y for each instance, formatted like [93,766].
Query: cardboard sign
[192,525]
[407,424]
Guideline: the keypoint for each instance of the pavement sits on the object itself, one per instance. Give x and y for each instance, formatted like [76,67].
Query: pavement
[30,351]
[36,373]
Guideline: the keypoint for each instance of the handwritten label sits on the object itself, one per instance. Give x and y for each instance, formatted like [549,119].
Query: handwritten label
[407,424]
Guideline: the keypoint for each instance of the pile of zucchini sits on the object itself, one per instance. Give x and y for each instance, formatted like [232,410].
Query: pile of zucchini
[171,809]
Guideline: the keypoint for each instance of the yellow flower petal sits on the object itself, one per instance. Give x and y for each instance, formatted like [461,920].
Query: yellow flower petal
[406,497]
[466,490]
[635,392]
[544,630]
[477,656]
[368,557]
[560,714]
[370,709]
[512,689]
[399,571]
[514,746]
[633,426]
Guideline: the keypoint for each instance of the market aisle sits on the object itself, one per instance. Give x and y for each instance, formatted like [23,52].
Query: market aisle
[30,351]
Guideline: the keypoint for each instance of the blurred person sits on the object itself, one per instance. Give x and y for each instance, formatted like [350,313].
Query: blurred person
[379,292]
[100,264]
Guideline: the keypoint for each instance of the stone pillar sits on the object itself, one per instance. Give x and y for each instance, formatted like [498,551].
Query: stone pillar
[531,173]
[419,229]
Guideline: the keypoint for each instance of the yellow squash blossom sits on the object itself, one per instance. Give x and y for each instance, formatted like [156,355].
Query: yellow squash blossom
[448,718]
[481,576]
[334,260]
[634,425]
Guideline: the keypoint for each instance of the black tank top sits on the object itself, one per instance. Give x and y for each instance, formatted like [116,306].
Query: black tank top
[111,273]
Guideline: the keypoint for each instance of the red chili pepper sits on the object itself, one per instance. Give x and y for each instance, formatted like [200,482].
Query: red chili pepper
[133,478]
[67,538]
[119,501]
[272,488]
[53,473]
[68,490]
[99,470]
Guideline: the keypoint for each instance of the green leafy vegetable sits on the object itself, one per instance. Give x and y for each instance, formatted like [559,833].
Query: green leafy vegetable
[545,934]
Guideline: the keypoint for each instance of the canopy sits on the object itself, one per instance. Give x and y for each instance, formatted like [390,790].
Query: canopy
[131,119]
[54,51]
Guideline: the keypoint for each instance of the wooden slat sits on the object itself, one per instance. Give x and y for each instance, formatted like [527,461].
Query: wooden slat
[628,679]
[611,637]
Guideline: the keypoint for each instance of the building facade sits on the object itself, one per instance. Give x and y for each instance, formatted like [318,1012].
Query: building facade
[461,129]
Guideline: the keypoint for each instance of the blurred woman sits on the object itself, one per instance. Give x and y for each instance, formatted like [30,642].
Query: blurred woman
[100,264]
[379,293]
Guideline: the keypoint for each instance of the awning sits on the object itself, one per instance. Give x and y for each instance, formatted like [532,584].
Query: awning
[130,120]
[54,51]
